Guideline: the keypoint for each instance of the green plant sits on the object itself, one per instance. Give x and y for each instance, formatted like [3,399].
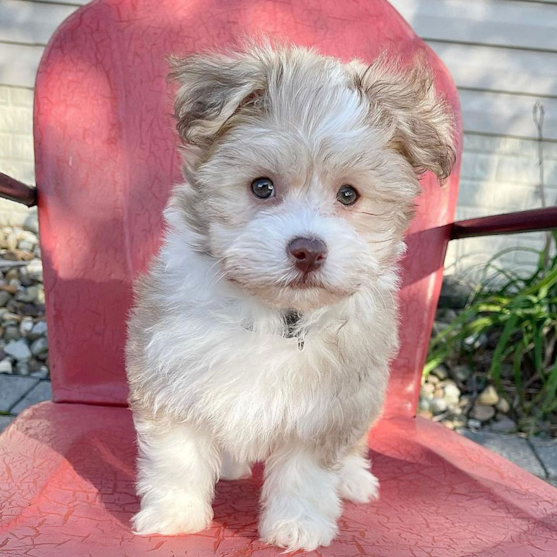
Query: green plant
[516,316]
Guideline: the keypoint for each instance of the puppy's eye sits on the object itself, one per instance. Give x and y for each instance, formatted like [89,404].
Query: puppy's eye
[263,188]
[347,195]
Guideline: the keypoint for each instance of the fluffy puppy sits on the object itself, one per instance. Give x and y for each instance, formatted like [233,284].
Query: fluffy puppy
[264,328]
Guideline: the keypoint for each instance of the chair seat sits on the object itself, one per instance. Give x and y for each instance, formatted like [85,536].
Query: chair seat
[67,488]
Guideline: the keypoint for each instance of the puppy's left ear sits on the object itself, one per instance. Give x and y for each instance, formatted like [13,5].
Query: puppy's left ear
[419,125]
[212,88]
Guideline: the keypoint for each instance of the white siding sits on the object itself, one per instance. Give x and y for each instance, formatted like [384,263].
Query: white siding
[25,29]
[502,55]
[505,114]
[30,22]
[514,24]
[22,73]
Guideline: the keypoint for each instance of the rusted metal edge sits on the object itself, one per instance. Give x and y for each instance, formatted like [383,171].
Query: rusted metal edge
[523,221]
[17,191]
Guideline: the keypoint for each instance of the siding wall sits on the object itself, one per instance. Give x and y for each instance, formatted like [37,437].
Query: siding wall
[501,53]
[25,28]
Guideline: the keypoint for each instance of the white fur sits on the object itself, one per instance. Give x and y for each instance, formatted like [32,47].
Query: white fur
[177,473]
[300,501]
[233,469]
[215,384]
[357,483]
[251,392]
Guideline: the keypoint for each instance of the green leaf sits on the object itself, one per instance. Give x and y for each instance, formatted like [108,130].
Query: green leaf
[501,348]
[550,389]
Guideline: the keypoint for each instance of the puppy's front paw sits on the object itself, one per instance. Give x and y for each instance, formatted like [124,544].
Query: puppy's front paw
[357,483]
[306,532]
[186,515]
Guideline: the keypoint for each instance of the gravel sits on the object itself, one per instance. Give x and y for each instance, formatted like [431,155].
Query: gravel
[23,330]
[459,398]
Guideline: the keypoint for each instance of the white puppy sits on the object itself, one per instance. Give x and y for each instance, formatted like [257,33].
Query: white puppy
[264,328]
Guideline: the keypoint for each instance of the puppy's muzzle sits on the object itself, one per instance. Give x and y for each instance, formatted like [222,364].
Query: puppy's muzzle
[307,254]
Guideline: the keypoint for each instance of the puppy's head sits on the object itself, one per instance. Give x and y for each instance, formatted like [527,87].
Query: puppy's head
[301,172]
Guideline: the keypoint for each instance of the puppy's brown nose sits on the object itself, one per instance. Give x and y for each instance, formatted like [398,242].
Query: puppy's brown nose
[308,253]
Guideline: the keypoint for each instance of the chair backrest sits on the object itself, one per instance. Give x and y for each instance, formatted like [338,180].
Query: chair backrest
[106,158]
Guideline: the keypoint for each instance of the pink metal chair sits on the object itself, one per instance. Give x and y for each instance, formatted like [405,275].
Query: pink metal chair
[106,159]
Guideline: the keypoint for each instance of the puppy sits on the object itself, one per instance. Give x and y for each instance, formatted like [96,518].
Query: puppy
[264,328]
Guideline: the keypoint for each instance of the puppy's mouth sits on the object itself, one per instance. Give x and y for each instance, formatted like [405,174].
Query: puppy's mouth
[305,282]
[299,283]
[297,290]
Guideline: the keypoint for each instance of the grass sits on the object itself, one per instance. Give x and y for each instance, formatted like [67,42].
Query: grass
[508,331]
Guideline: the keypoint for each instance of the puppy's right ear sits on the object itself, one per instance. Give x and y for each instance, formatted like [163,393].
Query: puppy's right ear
[213,87]
[421,124]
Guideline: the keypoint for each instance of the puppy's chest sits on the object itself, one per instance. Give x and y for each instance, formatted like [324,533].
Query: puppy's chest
[284,388]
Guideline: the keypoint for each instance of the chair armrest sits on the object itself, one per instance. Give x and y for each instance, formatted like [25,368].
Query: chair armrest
[523,221]
[17,191]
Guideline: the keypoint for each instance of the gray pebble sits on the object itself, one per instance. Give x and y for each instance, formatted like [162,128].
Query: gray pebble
[24,245]
[18,350]
[446,315]
[39,347]
[482,412]
[31,223]
[24,277]
[5,297]
[22,368]
[438,405]
[27,236]
[40,299]
[11,333]
[41,373]
[439,326]
[9,316]
[39,328]
[423,404]
[452,393]
[479,342]
[504,425]
[6,366]
[28,295]
[458,421]
[427,390]
[440,372]
[462,373]
[26,326]
[12,274]
[474,424]
[35,270]
[34,365]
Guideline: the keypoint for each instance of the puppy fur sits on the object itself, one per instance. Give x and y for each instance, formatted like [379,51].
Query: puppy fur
[216,384]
